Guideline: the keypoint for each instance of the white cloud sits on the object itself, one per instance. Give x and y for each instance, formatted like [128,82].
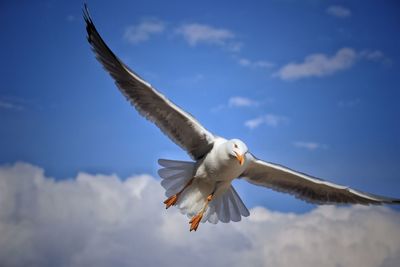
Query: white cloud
[375,56]
[239,101]
[309,145]
[339,11]
[10,105]
[268,119]
[254,123]
[263,64]
[143,31]
[235,46]
[318,65]
[100,220]
[196,33]
[255,64]
[244,62]
[274,120]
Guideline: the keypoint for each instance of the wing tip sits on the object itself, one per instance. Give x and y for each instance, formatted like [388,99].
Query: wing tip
[379,200]
[86,14]
[393,201]
[90,28]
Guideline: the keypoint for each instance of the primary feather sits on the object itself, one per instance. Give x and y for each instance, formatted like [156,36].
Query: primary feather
[177,124]
[306,187]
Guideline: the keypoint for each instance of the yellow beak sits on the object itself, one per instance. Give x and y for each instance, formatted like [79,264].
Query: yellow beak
[240,158]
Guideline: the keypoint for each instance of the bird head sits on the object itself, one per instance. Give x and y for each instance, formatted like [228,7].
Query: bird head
[237,149]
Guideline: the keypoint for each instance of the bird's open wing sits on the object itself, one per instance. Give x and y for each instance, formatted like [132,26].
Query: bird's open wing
[305,187]
[177,124]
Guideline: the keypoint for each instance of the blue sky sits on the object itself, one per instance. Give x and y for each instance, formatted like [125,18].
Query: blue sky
[312,85]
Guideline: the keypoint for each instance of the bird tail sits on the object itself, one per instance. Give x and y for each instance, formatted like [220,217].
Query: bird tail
[227,207]
[177,174]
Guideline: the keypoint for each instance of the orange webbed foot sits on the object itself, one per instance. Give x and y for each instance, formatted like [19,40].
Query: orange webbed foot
[171,201]
[195,221]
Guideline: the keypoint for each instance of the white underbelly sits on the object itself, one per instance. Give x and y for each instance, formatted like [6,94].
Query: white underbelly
[219,171]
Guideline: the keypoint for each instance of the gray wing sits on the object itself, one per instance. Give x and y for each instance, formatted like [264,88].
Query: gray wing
[305,187]
[177,124]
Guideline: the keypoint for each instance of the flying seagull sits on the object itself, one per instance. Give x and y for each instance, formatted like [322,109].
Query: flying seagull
[202,189]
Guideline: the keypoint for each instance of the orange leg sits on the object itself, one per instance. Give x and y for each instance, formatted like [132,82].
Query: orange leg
[173,199]
[195,221]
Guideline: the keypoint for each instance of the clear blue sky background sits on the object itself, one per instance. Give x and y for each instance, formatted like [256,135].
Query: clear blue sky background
[61,111]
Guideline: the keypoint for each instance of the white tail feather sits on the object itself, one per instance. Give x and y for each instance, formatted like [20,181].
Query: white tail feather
[174,163]
[175,175]
[226,207]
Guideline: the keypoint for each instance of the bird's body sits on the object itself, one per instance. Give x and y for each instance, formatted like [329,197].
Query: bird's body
[202,189]
[212,175]
[218,165]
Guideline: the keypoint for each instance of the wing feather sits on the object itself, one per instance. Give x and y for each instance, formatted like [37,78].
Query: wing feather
[306,187]
[178,125]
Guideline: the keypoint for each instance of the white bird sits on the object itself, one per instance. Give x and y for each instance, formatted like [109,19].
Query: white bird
[202,189]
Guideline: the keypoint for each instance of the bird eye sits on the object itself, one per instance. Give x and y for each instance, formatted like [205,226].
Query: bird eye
[235,145]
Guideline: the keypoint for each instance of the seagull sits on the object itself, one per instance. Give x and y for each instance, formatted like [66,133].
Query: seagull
[202,189]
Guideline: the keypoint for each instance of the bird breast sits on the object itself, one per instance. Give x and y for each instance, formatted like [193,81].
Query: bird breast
[219,166]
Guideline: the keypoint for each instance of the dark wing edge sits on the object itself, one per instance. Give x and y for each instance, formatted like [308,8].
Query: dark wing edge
[178,125]
[308,188]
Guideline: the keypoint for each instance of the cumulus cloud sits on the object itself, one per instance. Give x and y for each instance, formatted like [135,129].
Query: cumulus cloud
[318,65]
[309,145]
[272,120]
[101,220]
[339,11]
[143,31]
[240,101]
[195,33]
